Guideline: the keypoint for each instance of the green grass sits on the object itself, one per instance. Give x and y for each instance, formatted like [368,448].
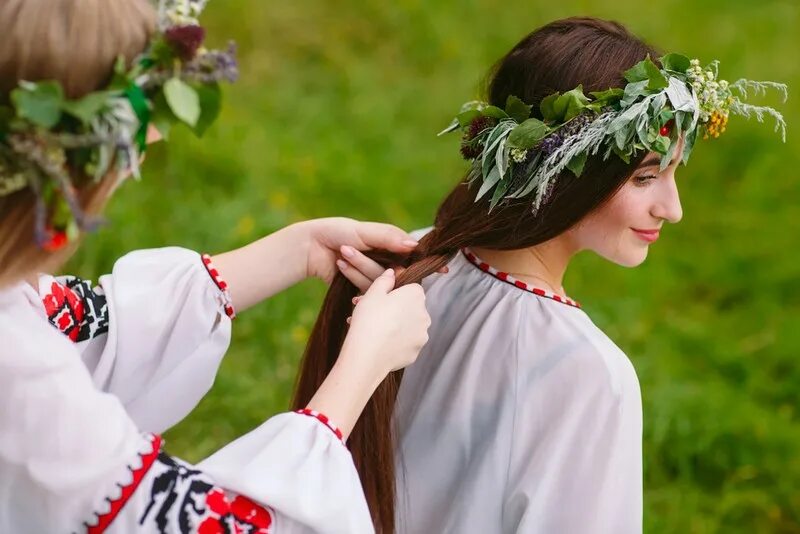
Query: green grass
[336,114]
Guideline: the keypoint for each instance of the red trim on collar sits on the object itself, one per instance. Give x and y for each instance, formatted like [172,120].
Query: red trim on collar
[505,277]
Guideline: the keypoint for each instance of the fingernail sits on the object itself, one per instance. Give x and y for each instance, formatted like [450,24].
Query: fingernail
[348,320]
[389,272]
[348,252]
[341,264]
[410,243]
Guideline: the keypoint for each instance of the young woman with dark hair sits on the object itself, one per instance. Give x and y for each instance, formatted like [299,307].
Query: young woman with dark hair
[521,415]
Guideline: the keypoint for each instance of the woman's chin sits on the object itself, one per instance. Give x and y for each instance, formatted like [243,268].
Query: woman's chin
[630,258]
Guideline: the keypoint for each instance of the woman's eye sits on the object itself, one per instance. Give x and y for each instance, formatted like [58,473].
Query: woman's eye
[642,179]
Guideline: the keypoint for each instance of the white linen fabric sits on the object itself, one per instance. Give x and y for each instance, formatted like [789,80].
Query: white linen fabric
[74,405]
[519,415]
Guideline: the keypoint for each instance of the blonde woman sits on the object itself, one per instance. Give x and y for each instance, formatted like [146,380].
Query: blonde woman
[90,375]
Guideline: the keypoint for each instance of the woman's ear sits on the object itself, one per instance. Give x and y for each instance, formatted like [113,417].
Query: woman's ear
[153,135]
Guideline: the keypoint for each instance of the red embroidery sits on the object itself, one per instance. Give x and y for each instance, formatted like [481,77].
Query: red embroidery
[227,517]
[64,309]
[322,418]
[505,277]
[221,284]
[76,309]
[103,521]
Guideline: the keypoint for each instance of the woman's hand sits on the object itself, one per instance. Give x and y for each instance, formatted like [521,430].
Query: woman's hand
[311,248]
[335,244]
[390,323]
[388,329]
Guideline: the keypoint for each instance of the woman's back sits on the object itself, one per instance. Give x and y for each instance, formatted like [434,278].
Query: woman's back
[520,416]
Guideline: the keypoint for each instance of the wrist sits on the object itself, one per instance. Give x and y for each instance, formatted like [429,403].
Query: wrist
[362,365]
[302,235]
[345,392]
[298,237]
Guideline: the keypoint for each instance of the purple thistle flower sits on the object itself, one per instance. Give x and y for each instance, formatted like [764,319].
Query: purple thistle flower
[470,151]
[478,125]
[185,40]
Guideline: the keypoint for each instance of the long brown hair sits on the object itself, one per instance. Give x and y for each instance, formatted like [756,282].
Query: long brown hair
[556,57]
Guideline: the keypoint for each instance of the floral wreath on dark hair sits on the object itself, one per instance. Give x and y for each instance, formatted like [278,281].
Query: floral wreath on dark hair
[43,134]
[515,155]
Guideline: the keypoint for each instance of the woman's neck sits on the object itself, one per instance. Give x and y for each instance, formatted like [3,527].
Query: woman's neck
[541,265]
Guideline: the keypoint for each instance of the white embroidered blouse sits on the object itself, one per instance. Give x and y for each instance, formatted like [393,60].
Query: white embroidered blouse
[519,416]
[81,409]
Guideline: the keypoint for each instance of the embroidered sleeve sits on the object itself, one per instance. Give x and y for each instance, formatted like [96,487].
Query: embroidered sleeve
[166,495]
[153,332]
[75,308]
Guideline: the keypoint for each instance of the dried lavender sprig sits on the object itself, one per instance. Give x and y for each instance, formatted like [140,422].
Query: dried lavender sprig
[212,66]
[51,164]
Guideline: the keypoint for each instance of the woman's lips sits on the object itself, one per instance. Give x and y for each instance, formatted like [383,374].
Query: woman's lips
[646,235]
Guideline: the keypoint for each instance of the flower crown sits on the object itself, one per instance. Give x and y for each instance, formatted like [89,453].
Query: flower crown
[515,155]
[43,134]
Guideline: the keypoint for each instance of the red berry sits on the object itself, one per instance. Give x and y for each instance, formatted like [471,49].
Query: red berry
[56,242]
[667,128]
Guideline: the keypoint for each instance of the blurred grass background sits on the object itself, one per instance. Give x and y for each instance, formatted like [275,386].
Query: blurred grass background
[336,114]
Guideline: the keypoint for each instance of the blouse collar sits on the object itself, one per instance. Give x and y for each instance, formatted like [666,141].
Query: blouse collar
[505,277]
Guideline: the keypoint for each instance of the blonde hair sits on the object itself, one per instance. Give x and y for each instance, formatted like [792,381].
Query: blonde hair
[76,43]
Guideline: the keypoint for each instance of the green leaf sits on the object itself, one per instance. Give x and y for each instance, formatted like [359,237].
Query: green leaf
[87,107]
[624,156]
[139,104]
[120,79]
[6,116]
[494,112]
[577,163]
[183,100]
[491,179]
[39,103]
[517,109]
[682,120]
[647,70]
[210,106]
[527,134]
[665,116]
[605,98]
[547,107]
[162,116]
[570,104]
[639,72]
[608,96]
[661,144]
[633,91]
[499,192]
[492,142]
[676,63]
[466,117]
[688,145]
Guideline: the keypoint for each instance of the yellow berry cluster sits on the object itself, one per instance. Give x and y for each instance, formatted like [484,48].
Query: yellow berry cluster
[716,124]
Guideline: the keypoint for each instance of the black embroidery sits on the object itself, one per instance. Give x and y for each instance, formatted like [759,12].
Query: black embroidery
[77,309]
[183,500]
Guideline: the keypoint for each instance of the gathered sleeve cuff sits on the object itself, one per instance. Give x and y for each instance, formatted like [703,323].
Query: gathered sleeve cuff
[153,332]
[312,480]
[71,459]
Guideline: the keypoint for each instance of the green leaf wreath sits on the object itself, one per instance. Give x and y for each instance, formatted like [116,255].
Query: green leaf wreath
[43,134]
[515,154]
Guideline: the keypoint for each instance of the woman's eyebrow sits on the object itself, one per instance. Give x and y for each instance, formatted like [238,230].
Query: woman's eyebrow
[653,160]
